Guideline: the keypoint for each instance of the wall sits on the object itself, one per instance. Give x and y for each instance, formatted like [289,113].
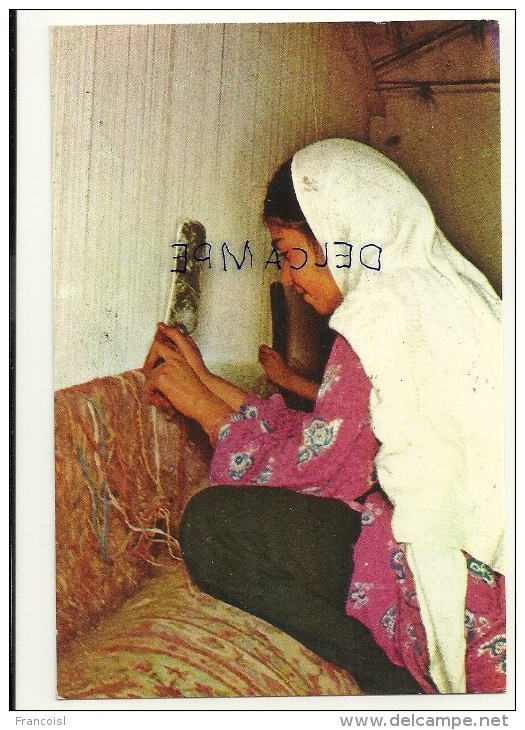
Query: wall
[450,146]
[155,123]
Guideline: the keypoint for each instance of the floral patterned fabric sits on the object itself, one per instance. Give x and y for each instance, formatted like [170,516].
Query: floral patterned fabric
[330,453]
[383,596]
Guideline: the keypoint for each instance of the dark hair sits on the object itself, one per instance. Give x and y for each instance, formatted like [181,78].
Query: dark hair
[280,203]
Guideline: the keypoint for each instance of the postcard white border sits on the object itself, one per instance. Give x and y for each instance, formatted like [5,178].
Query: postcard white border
[35,575]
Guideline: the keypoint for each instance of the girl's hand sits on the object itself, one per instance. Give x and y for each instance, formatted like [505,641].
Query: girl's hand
[275,367]
[186,345]
[170,378]
[281,374]
[161,336]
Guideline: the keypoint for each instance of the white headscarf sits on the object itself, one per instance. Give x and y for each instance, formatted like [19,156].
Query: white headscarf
[426,325]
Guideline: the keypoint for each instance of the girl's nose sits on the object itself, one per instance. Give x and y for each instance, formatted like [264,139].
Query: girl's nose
[286,279]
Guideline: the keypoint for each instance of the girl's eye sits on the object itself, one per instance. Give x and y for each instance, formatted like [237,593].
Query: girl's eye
[296,257]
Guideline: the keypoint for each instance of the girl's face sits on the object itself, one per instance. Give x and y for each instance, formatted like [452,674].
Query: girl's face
[300,254]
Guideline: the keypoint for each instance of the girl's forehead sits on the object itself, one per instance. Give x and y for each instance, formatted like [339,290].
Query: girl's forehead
[285,238]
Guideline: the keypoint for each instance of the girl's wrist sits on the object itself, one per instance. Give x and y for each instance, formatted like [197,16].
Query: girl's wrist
[211,412]
[208,379]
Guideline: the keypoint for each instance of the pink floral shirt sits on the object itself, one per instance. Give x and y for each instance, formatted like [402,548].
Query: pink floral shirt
[330,453]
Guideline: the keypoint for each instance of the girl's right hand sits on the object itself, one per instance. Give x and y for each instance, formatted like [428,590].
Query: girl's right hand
[184,344]
[170,378]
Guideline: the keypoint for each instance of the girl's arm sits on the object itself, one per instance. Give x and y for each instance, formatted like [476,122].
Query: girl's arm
[302,387]
[225,391]
[171,381]
[281,374]
[329,451]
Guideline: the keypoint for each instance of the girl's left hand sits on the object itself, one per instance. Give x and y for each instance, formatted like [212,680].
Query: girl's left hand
[274,366]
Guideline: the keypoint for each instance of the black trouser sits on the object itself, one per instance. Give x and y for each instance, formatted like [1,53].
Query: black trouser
[287,558]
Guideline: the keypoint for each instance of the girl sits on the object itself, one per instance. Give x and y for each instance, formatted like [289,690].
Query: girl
[410,401]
